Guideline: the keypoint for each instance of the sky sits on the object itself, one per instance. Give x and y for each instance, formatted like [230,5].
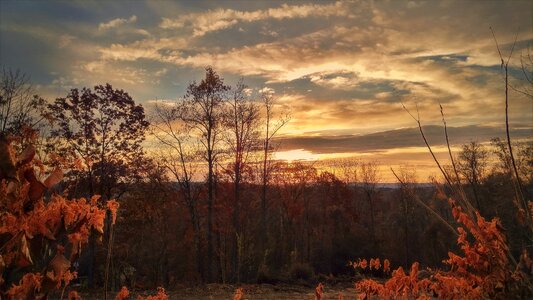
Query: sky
[342,69]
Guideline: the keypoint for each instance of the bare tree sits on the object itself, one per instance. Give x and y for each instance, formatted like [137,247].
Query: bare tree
[271,128]
[202,111]
[369,179]
[472,163]
[524,85]
[407,181]
[347,169]
[19,106]
[179,159]
[241,120]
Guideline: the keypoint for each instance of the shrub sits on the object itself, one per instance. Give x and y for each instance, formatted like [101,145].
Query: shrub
[40,237]
[483,271]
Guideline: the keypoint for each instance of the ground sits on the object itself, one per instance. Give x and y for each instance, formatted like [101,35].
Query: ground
[251,292]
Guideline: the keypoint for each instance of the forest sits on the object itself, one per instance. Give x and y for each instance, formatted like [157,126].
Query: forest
[99,194]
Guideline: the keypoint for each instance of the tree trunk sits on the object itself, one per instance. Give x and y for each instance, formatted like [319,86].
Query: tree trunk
[210,217]
[236,225]
[263,236]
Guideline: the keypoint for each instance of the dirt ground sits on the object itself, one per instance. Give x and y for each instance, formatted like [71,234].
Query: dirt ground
[251,292]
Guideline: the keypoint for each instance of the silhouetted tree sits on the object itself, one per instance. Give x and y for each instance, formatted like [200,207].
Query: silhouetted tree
[241,120]
[369,180]
[472,163]
[407,190]
[202,110]
[19,106]
[178,156]
[103,129]
[271,128]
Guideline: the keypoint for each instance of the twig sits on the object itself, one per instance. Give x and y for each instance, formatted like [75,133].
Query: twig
[63,292]
[518,182]
[448,145]
[468,207]
[459,186]
[434,213]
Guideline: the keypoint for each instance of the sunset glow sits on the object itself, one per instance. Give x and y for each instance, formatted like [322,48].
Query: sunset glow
[341,69]
[296,155]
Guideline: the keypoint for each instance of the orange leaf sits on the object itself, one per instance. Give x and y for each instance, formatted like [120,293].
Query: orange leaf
[24,253]
[59,264]
[37,189]
[26,156]
[113,206]
[123,294]
[73,295]
[54,178]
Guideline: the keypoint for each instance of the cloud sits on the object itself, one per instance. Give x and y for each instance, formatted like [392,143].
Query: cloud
[116,22]
[65,40]
[336,80]
[218,19]
[150,48]
[339,66]
[267,90]
[395,139]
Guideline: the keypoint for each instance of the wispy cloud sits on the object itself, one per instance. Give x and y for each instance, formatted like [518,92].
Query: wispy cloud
[116,22]
[218,19]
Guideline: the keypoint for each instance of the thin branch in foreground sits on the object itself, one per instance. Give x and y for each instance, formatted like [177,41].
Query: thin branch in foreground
[420,202]
[464,202]
[517,180]
[448,145]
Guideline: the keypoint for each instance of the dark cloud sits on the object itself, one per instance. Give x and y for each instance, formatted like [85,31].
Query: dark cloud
[400,138]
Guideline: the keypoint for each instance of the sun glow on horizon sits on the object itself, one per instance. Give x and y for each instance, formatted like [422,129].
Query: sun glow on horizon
[295,155]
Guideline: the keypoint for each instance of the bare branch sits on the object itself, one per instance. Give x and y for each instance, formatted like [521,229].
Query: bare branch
[421,203]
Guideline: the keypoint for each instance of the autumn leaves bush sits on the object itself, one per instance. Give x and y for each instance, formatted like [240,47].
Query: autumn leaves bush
[41,236]
[482,271]
[43,233]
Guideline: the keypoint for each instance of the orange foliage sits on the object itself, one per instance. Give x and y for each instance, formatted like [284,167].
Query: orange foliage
[363,264]
[239,294]
[161,295]
[56,222]
[375,264]
[483,271]
[386,265]
[73,295]
[123,294]
[319,291]
[27,288]
[113,206]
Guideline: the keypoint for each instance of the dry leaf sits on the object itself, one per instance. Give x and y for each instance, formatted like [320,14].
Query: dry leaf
[73,295]
[54,178]
[59,264]
[37,189]
[24,253]
[26,156]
